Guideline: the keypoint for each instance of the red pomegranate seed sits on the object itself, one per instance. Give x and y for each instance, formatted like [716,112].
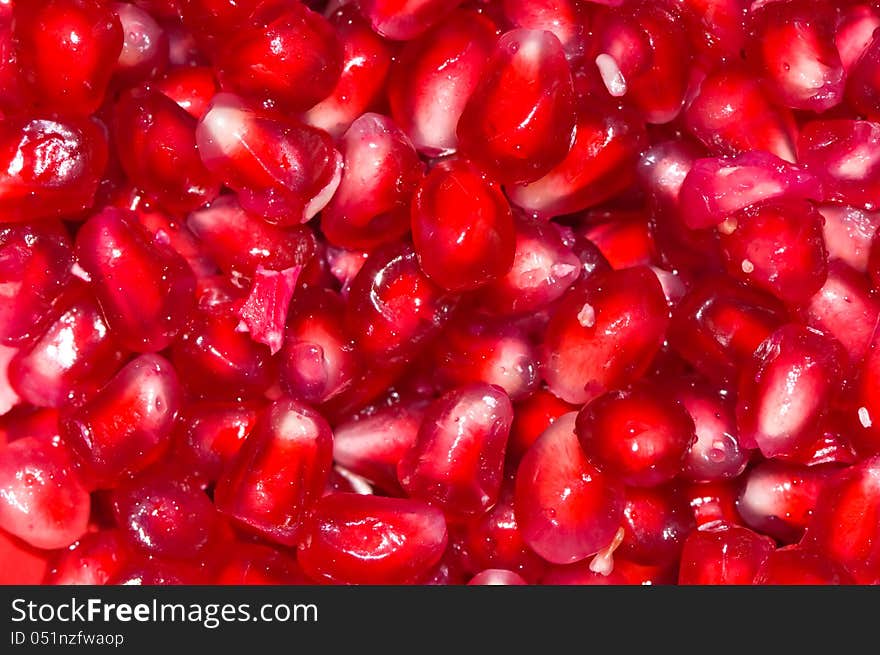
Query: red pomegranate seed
[623,237]
[356,539]
[716,28]
[42,500]
[279,472]
[792,45]
[74,357]
[282,169]
[855,32]
[863,82]
[786,390]
[777,498]
[566,19]
[713,502]
[462,250]
[519,121]
[145,46]
[284,54]
[543,268]
[256,564]
[127,425]
[600,164]
[732,114]
[156,143]
[865,433]
[796,565]
[152,571]
[716,188]
[365,63]
[457,460]
[530,418]
[239,242]
[318,360]
[566,508]
[264,312]
[777,246]
[191,87]
[393,308]
[640,434]
[604,333]
[93,560]
[213,22]
[723,554]
[844,525]
[720,323]
[843,154]
[164,517]
[849,232]
[51,168]
[655,524]
[16,95]
[490,352]
[717,453]
[68,50]
[406,20]
[381,170]
[497,577]
[120,256]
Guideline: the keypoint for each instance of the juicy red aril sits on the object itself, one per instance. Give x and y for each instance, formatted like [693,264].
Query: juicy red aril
[355,539]
[145,45]
[463,230]
[126,425]
[566,508]
[42,501]
[604,333]
[279,472]
[191,87]
[497,577]
[457,460]
[407,20]
[723,554]
[282,169]
[787,389]
[119,255]
[863,82]
[69,49]
[156,143]
[639,434]
[285,54]
[50,167]
[655,524]
[380,173]
[241,563]
[796,565]
[713,502]
[520,119]
[93,560]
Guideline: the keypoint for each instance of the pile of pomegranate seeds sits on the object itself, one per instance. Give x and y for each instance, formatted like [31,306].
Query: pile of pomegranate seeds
[440,292]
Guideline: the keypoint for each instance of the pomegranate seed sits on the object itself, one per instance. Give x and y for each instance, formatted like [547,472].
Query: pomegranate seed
[462,250]
[356,539]
[566,508]
[655,524]
[844,523]
[714,189]
[497,577]
[155,141]
[282,169]
[604,333]
[393,307]
[863,83]
[16,95]
[777,246]
[792,46]
[600,164]
[849,232]
[23,564]
[639,434]
[433,77]
[284,53]
[796,565]
[843,154]
[777,498]
[127,425]
[264,312]
[152,571]
[624,573]
[855,32]
[623,237]
[279,472]
[716,27]
[531,417]
[381,170]
[543,268]
[519,121]
[457,459]
[191,87]
[786,390]
[567,20]
[68,49]
[93,560]
[74,357]
[723,554]
[145,45]
[713,502]
[213,22]
[365,63]
[405,21]
[51,168]
[257,564]
[120,256]
[732,114]
[43,501]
